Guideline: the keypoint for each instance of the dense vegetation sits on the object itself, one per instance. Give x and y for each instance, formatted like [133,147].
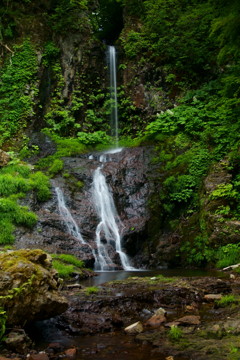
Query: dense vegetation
[183,54]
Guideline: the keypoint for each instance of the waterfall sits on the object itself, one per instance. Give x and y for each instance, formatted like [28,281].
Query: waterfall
[107,226]
[113,92]
[71,225]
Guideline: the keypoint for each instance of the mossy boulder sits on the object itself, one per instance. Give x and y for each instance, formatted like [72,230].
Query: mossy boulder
[29,287]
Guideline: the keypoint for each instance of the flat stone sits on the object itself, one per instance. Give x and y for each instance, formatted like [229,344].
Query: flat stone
[212,297]
[135,328]
[189,320]
[155,321]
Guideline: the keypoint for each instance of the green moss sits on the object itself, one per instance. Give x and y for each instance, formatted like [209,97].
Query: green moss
[40,183]
[56,167]
[69,259]
[67,264]
[91,290]
[227,300]
[64,271]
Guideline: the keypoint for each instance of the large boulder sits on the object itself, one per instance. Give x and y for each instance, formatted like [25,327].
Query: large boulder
[29,287]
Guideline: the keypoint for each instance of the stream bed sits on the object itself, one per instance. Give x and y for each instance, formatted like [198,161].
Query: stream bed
[94,324]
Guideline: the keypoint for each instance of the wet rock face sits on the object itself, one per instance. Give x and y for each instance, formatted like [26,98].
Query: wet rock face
[29,287]
[126,174]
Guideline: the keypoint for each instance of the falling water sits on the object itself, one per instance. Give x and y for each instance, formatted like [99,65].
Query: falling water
[113,92]
[71,225]
[107,227]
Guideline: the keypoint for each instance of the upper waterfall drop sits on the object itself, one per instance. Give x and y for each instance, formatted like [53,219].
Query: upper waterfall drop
[113,92]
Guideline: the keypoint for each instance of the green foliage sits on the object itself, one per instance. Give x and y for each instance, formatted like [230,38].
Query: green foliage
[20,215]
[17,90]
[6,230]
[175,333]
[68,15]
[15,182]
[64,271]
[225,191]
[198,252]
[3,319]
[180,47]
[227,300]
[10,184]
[69,259]
[40,183]
[50,54]
[56,167]
[18,291]
[16,170]
[65,147]
[91,290]
[92,139]
[66,264]
[228,255]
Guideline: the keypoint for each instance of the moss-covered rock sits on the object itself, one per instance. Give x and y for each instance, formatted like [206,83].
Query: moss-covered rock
[29,287]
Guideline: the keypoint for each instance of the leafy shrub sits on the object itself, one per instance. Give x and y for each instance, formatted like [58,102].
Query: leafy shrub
[98,137]
[228,255]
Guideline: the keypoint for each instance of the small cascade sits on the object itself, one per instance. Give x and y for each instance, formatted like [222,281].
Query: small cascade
[113,92]
[107,232]
[70,223]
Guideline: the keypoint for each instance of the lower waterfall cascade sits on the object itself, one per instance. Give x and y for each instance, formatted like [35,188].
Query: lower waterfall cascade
[109,223]
[108,230]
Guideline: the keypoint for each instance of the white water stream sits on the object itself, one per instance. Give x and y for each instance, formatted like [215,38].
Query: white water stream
[113,92]
[70,223]
[107,232]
